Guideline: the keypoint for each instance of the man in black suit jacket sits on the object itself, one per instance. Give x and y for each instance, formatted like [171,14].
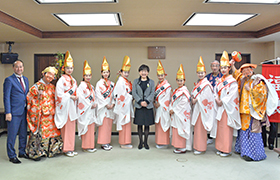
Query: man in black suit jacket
[16,88]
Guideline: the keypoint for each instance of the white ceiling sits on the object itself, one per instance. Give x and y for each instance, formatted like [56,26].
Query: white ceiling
[137,15]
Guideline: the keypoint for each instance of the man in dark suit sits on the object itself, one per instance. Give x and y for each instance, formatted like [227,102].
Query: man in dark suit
[16,88]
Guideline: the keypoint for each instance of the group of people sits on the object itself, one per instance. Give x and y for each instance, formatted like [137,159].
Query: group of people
[220,106]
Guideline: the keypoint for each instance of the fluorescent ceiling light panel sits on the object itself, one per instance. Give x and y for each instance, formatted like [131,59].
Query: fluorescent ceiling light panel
[74,1]
[245,1]
[217,19]
[104,19]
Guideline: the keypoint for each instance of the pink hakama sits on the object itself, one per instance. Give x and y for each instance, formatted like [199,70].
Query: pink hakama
[68,135]
[88,138]
[125,134]
[177,140]
[162,138]
[104,131]
[224,135]
[200,136]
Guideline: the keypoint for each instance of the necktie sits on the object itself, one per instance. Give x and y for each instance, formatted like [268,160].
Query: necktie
[21,83]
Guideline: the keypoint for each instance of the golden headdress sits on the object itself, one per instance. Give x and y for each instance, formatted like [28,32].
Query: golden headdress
[50,69]
[105,65]
[87,68]
[160,69]
[224,61]
[180,73]
[126,64]
[200,67]
[68,61]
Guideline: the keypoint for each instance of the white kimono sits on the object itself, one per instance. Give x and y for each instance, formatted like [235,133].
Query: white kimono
[64,105]
[181,119]
[87,116]
[163,97]
[104,96]
[203,92]
[123,102]
[272,98]
[228,92]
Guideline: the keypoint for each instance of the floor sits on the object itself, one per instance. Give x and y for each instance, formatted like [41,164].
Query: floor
[139,164]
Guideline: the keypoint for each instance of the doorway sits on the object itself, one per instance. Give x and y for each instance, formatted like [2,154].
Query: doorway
[41,61]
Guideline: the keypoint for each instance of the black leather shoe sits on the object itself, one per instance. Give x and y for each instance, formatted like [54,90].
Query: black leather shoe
[146,146]
[15,160]
[23,156]
[140,146]
[247,158]
[271,147]
[37,159]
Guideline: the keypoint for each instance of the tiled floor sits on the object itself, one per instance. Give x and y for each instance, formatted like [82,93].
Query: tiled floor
[139,164]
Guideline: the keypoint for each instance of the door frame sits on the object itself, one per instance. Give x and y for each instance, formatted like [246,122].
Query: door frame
[36,74]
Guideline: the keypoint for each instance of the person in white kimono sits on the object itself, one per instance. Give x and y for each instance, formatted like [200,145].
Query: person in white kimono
[203,109]
[123,105]
[162,101]
[180,111]
[66,106]
[86,110]
[227,102]
[105,115]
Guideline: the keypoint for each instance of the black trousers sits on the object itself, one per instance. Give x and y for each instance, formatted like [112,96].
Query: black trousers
[272,134]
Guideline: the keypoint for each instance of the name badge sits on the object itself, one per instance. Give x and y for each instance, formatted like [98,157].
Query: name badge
[225,83]
[105,95]
[71,92]
[174,96]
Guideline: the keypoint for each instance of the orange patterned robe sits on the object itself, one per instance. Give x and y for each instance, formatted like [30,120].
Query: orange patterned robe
[42,108]
[258,97]
[253,107]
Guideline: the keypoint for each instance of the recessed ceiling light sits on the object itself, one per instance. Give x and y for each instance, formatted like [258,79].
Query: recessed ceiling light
[244,1]
[73,1]
[217,19]
[101,19]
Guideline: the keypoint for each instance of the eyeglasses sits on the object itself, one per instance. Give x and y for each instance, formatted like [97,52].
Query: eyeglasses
[215,65]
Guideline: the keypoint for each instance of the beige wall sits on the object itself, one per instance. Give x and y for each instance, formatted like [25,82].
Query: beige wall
[277,49]
[2,76]
[273,49]
[186,53]
[270,47]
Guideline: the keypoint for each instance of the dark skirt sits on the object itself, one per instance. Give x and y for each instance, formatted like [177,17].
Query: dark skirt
[38,147]
[144,116]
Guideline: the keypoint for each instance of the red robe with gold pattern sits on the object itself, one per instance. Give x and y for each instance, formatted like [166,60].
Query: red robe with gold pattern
[45,139]
[42,108]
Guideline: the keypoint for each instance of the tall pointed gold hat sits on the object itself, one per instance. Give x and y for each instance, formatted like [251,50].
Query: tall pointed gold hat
[160,69]
[105,65]
[180,73]
[68,61]
[200,67]
[126,64]
[87,68]
[50,69]
[224,61]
